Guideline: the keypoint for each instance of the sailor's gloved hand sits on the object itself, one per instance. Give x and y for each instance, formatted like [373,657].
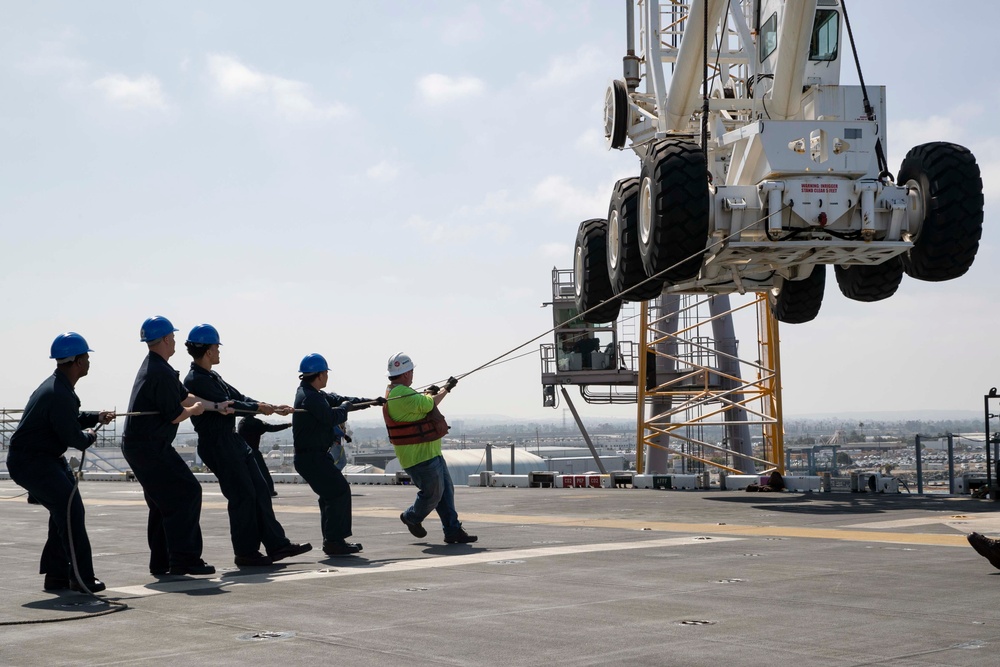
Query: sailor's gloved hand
[380,400]
[433,390]
[450,384]
[347,405]
[347,439]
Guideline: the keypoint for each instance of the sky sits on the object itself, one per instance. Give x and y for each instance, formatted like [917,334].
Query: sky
[362,178]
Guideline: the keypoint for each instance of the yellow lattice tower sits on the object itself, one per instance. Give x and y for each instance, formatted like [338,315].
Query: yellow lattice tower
[699,394]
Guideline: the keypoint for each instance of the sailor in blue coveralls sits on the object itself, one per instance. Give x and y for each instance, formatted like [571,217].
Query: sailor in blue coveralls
[51,423]
[172,493]
[251,429]
[251,516]
[314,424]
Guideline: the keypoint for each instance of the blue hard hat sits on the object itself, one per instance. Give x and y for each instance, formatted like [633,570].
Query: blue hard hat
[313,363]
[155,328]
[204,334]
[69,344]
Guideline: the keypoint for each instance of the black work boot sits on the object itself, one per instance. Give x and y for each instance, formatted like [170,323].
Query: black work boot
[55,582]
[93,584]
[289,550]
[196,567]
[415,527]
[256,559]
[986,547]
[461,537]
[341,548]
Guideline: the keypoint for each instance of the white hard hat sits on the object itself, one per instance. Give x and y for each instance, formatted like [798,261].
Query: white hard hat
[399,363]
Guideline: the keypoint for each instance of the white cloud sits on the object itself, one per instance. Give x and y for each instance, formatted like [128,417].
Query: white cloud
[569,201]
[493,203]
[289,98]
[497,214]
[556,251]
[959,127]
[142,92]
[233,77]
[519,295]
[442,89]
[449,231]
[987,152]
[908,133]
[538,14]
[567,70]
[466,27]
[592,143]
[384,171]
[55,56]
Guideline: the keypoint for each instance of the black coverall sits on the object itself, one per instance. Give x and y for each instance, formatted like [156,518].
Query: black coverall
[312,435]
[51,423]
[251,516]
[251,428]
[172,493]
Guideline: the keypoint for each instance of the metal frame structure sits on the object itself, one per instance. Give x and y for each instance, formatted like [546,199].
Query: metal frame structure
[616,364]
[696,395]
[107,436]
[9,420]
[676,358]
[992,440]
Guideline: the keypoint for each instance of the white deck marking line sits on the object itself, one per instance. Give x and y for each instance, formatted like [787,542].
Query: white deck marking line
[430,562]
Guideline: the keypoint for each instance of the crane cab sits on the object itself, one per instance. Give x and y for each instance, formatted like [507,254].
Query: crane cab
[821,66]
[582,353]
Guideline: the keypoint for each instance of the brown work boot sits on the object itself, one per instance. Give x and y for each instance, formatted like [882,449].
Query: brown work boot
[986,547]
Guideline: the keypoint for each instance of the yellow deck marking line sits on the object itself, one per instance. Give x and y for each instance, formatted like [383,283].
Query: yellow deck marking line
[709,528]
[925,521]
[423,563]
[848,534]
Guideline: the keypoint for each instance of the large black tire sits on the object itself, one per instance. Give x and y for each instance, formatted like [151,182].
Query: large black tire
[616,113]
[870,282]
[952,191]
[673,211]
[798,301]
[624,260]
[590,274]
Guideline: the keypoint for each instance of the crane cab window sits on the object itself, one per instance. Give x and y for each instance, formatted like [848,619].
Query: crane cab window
[769,37]
[586,349]
[825,35]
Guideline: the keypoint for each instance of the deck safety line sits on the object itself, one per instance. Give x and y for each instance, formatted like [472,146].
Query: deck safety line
[349,569]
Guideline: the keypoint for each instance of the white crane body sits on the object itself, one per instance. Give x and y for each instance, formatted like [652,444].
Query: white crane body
[757,166]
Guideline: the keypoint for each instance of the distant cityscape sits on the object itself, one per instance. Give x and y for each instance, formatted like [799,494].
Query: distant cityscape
[824,444]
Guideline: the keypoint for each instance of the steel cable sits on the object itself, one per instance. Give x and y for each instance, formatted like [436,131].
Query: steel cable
[621,295]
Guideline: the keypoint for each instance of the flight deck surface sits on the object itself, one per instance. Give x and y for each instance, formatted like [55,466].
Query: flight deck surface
[558,577]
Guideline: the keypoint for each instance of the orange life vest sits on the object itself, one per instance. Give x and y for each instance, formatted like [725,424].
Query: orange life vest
[431,427]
